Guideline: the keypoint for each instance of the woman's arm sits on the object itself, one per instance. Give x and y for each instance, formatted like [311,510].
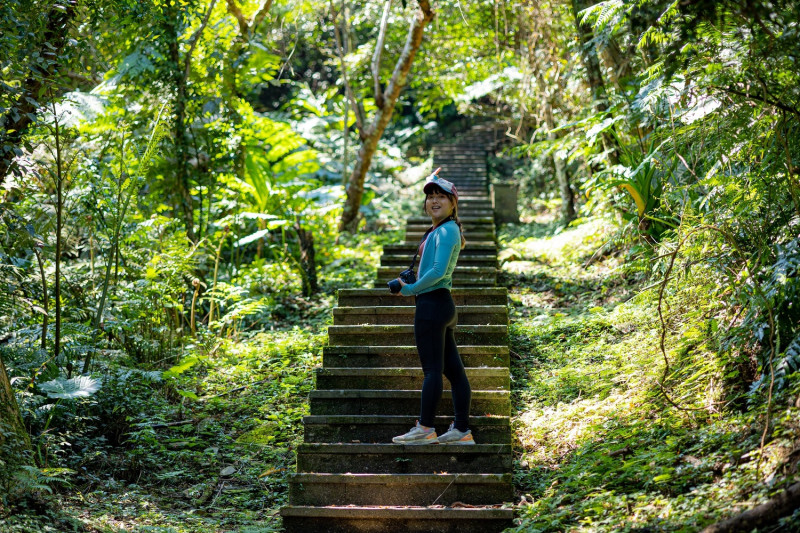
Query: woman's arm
[446,242]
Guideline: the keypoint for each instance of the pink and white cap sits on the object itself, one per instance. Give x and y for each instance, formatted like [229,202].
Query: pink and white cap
[445,185]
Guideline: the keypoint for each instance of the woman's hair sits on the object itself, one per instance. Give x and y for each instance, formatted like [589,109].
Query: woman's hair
[454,216]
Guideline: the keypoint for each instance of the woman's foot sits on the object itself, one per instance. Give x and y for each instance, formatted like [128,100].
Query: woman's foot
[454,436]
[418,435]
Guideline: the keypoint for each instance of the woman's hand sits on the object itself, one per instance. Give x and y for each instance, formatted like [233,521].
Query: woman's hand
[402,284]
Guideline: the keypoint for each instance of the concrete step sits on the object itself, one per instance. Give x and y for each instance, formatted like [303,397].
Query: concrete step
[477,235]
[382,297]
[403,459]
[396,378]
[470,227]
[465,219]
[350,519]
[404,314]
[473,247]
[401,262]
[399,489]
[406,356]
[463,168]
[402,335]
[462,276]
[467,203]
[381,428]
[401,402]
[473,196]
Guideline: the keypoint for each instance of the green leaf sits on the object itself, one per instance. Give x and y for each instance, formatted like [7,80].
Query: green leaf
[68,389]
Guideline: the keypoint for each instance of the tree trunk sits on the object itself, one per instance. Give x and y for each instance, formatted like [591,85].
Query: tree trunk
[546,97]
[59,227]
[16,121]
[308,260]
[373,133]
[593,73]
[182,185]
[765,514]
[15,443]
[564,187]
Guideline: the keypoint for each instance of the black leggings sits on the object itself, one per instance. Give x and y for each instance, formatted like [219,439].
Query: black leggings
[434,323]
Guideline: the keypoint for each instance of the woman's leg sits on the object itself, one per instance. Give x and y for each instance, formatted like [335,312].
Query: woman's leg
[430,339]
[459,383]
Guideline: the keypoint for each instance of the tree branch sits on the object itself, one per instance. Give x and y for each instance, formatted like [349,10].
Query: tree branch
[348,89]
[195,38]
[413,41]
[376,57]
[762,99]
[233,9]
[260,15]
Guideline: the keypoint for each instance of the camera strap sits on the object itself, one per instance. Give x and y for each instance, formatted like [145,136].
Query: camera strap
[416,253]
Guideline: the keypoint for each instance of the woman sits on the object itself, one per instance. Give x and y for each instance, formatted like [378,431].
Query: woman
[435,318]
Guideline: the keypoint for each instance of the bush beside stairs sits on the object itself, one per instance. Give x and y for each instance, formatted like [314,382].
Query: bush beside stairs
[350,476]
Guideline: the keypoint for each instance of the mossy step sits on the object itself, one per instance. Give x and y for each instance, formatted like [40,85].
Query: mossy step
[404,356]
[399,489]
[399,378]
[462,275]
[473,194]
[472,247]
[461,296]
[465,219]
[486,233]
[482,235]
[401,402]
[397,314]
[381,428]
[352,519]
[383,335]
[457,282]
[402,261]
[471,228]
[414,242]
[404,459]
[468,202]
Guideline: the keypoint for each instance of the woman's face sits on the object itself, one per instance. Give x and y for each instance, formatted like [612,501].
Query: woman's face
[438,206]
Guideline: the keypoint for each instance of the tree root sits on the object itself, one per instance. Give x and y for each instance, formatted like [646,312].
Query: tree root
[768,512]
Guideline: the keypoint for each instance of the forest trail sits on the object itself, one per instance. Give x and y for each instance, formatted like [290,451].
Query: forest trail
[350,477]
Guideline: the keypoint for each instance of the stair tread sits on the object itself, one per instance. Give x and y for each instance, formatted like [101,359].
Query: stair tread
[443,478]
[404,309]
[384,419]
[411,350]
[397,393]
[392,448]
[402,371]
[398,512]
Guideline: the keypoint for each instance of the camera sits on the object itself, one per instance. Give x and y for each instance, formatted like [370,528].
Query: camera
[407,276]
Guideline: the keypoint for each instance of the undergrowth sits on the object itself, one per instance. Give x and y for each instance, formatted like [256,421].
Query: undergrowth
[598,446]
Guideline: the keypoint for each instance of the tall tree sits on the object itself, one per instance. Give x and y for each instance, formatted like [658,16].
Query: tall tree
[542,59]
[369,133]
[181,66]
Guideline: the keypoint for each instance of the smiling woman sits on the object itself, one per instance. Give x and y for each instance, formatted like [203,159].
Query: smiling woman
[435,318]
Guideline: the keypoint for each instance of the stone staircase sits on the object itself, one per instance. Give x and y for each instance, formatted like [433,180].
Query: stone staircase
[351,477]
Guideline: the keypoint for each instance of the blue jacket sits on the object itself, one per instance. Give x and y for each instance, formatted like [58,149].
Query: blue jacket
[438,260]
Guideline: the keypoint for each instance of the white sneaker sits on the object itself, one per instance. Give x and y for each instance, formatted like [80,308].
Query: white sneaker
[418,435]
[454,436]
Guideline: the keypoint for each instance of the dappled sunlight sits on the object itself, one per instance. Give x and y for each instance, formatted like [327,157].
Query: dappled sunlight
[578,241]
